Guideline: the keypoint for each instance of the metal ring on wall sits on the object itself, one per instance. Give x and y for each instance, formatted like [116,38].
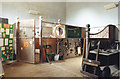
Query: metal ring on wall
[56,30]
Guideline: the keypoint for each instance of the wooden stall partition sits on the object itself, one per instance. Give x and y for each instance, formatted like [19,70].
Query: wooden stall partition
[37,45]
[74,32]
[48,41]
[37,51]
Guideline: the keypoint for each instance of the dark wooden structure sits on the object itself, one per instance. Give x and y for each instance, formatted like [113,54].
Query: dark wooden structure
[108,52]
[107,36]
[40,42]
[108,48]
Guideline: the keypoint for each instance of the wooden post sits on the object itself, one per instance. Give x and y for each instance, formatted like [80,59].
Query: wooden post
[34,43]
[17,38]
[40,40]
[87,40]
[83,52]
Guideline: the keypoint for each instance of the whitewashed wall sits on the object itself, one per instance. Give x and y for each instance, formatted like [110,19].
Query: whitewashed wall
[0,9]
[51,11]
[74,13]
[93,13]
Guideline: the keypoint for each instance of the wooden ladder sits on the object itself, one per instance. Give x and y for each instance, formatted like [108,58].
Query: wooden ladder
[95,63]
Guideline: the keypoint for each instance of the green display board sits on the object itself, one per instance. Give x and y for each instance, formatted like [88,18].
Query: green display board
[73,32]
[6,41]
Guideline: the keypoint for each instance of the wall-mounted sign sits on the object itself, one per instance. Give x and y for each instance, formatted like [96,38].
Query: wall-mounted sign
[26,44]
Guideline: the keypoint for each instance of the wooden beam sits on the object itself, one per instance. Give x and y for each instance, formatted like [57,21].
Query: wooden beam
[61,24]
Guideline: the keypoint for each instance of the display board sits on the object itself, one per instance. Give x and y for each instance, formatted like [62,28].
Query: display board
[73,32]
[6,41]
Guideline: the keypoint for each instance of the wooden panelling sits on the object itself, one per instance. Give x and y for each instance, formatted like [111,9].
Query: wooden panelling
[106,43]
[37,43]
[83,32]
[46,41]
[49,41]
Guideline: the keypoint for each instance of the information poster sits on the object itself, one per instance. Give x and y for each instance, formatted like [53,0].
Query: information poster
[1,42]
[7,31]
[11,35]
[6,41]
[0,35]
[26,44]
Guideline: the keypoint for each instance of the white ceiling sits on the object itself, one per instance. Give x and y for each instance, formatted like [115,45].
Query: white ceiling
[59,0]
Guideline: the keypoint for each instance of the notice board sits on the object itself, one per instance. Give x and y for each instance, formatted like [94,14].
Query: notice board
[6,41]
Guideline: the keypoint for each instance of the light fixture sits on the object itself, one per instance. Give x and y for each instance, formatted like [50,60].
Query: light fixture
[110,6]
[34,12]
